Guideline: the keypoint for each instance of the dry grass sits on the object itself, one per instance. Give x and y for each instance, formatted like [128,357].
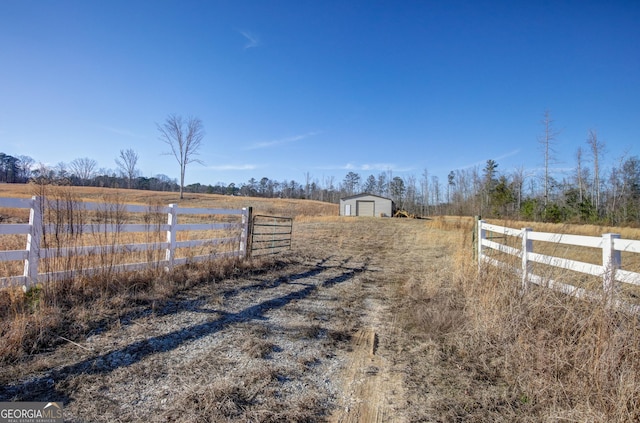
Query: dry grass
[561,358]
[240,399]
[496,355]
[266,206]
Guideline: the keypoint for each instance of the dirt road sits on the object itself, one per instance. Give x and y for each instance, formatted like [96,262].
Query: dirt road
[312,338]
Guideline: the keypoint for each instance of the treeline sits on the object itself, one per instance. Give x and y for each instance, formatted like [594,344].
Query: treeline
[582,196]
[85,172]
[15,169]
[587,195]
[79,172]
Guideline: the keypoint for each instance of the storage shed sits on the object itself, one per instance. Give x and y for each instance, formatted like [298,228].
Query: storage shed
[366,205]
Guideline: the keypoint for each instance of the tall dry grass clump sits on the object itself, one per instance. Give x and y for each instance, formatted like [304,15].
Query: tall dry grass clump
[561,358]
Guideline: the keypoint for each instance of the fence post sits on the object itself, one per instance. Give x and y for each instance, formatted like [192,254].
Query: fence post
[611,261]
[245,236]
[482,234]
[172,219]
[527,247]
[474,237]
[33,242]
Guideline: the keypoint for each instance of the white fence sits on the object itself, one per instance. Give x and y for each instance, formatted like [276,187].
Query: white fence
[106,223]
[610,270]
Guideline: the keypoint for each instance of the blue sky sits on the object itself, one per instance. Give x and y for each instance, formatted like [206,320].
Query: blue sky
[286,88]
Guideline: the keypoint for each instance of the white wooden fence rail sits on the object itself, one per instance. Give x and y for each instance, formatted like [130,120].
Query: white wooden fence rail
[36,228]
[610,270]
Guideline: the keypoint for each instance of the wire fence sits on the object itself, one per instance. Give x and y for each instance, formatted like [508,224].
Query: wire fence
[270,234]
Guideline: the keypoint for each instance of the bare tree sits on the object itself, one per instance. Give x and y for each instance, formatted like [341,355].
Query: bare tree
[580,174]
[547,141]
[519,178]
[476,183]
[307,185]
[424,185]
[127,165]
[411,195]
[617,190]
[435,193]
[329,186]
[597,149]
[185,138]
[463,195]
[83,168]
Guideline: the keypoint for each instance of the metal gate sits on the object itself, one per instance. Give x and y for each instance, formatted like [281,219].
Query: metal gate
[270,234]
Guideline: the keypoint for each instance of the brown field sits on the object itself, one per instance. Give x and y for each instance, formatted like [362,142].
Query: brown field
[365,320]
[267,206]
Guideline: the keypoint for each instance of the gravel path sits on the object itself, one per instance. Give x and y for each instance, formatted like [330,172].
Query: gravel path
[269,345]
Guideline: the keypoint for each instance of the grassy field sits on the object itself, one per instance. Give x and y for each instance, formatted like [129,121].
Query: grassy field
[365,320]
[268,206]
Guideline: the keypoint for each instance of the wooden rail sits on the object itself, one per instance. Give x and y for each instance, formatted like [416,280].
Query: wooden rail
[106,223]
[610,270]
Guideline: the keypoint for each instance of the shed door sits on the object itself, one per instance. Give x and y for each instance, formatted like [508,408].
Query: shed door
[347,209]
[365,208]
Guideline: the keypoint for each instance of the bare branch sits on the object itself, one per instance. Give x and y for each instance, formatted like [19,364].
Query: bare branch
[83,168]
[184,137]
[127,165]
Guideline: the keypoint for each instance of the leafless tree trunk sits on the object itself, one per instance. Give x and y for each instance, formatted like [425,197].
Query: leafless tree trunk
[435,184]
[617,191]
[425,192]
[518,183]
[127,164]
[185,138]
[460,192]
[307,185]
[547,140]
[411,194]
[329,186]
[477,191]
[579,174]
[597,149]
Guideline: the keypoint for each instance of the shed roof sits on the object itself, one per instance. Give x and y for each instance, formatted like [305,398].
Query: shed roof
[365,194]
